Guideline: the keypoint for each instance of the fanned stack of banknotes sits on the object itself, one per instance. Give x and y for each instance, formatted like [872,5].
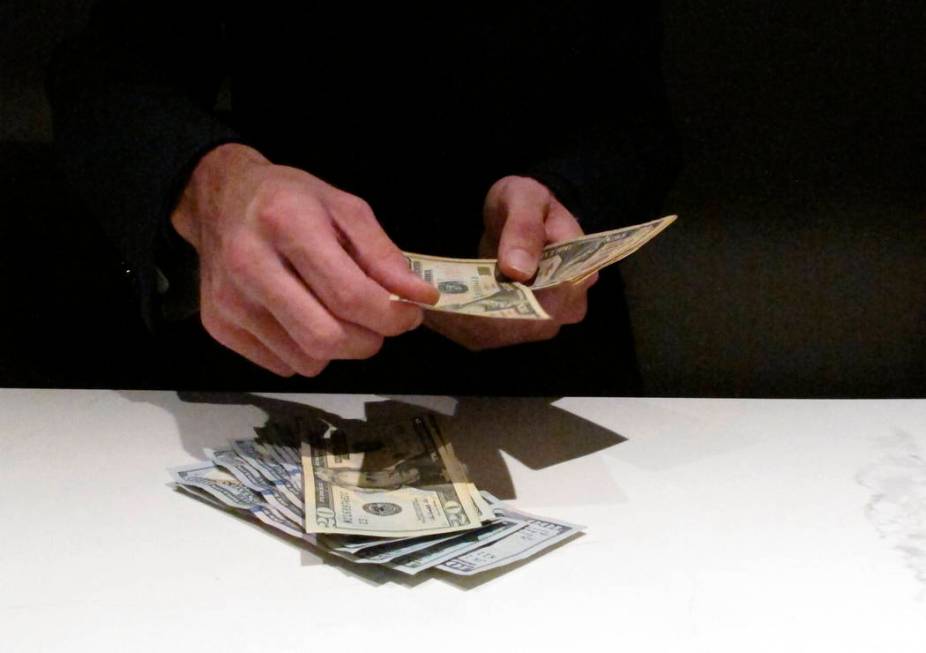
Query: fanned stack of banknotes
[389,493]
[476,287]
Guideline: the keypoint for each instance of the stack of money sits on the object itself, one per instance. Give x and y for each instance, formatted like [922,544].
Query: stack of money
[390,494]
[477,287]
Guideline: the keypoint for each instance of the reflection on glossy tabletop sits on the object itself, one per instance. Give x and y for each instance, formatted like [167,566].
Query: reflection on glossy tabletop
[713,525]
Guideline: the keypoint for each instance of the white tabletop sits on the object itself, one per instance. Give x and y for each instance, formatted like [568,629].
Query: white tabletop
[713,525]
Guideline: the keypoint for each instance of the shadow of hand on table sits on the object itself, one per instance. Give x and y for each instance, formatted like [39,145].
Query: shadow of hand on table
[531,430]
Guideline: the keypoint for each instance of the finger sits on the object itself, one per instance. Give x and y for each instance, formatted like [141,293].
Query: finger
[538,331]
[574,310]
[472,332]
[271,284]
[453,328]
[379,257]
[566,304]
[477,334]
[318,333]
[560,224]
[588,281]
[523,236]
[243,343]
[257,321]
[345,290]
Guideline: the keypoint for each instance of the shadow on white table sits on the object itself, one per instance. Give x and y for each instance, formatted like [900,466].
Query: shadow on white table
[532,430]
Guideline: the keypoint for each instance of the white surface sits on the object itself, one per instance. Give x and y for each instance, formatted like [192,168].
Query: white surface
[717,525]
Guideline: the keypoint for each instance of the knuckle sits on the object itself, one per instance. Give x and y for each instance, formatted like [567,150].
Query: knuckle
[279,206]
[521,235]
[356,207]
[537,189]
[311,368]
[395,326]
[507,184]
[523,226]
[274,195]
[385,255]
[240,258]
[580,312]
[325,344]
[346,300]
[224,300]
[480,341]
[524,186]
[308,367]
[274,219]
[575,313]
[218,328]
[372,347]
[213,324]
[545,331]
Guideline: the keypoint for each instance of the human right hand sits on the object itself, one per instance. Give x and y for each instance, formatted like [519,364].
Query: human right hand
[294,273]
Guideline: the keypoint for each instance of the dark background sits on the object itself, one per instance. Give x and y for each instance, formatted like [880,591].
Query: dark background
[797,266]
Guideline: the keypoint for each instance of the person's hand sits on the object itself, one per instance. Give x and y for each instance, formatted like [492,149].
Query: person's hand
[521,217]
[294,273]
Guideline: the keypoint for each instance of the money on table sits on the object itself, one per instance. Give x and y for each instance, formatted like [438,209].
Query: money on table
[391,494]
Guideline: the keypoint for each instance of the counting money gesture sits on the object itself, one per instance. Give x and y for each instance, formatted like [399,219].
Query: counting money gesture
[294,273]
[521,217]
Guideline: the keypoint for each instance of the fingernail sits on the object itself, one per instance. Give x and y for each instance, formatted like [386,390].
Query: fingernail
[522,261]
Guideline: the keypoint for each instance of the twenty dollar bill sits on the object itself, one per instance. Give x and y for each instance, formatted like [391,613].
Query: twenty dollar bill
[477,287]
[391,480]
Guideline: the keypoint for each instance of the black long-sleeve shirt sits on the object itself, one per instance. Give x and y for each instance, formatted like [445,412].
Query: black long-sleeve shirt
[417,109]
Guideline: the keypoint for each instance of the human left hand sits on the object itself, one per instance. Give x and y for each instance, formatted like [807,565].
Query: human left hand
[521,217]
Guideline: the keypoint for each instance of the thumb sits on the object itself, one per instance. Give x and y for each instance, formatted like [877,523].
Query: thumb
[523,236]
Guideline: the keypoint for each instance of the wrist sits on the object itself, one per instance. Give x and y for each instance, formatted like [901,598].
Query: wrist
[208,186]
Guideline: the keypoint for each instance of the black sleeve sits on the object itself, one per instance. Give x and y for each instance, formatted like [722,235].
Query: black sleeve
[132,99]
[618,155]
